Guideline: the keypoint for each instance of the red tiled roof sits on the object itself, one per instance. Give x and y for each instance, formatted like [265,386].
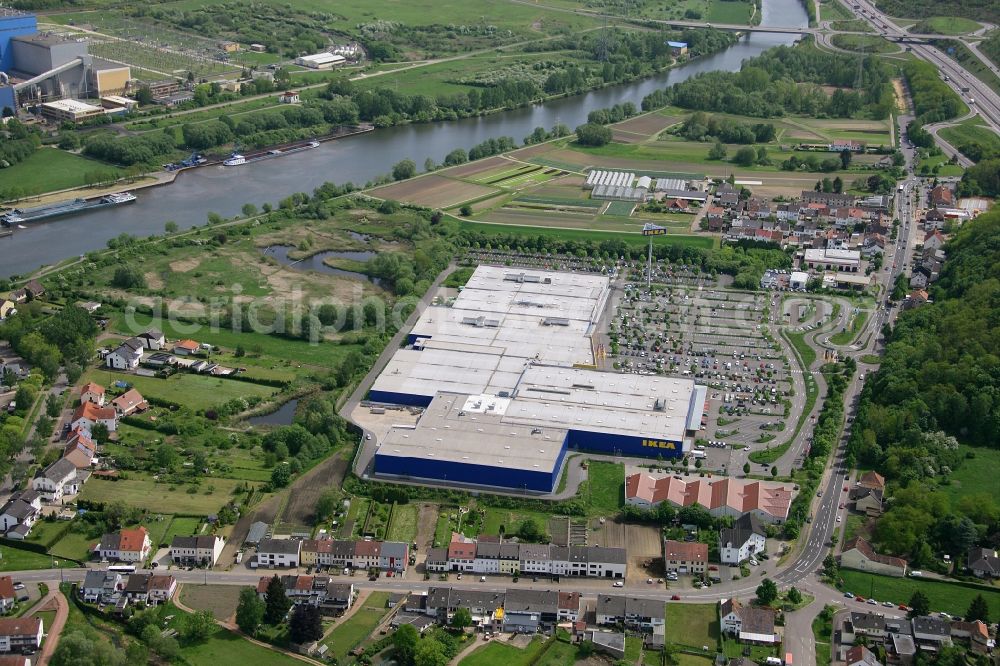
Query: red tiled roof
[743,496]
[132,540]
[685,551]
[160,582]
[129,400]
[190,345]
[92,412]
[19,626]
[91,387]
[262,584]
[872,480]
[7,587]
[865,548]
[461,550]
[367,548]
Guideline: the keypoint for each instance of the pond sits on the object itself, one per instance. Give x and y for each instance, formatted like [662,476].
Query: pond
[315,261]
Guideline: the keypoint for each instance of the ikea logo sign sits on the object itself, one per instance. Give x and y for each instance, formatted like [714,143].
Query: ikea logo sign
[659,444]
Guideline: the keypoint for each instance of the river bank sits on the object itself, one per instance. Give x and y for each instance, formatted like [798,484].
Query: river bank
[356,159]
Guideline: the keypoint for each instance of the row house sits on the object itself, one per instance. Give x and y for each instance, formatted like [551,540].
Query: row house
[490,557]
[101,586]
[320,591]
[149,588]
[363,554]
[632,613]
[485,606]
[202,550]
[128,545]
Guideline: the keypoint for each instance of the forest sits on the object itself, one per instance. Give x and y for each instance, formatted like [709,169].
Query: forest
[771,85]
[938,386]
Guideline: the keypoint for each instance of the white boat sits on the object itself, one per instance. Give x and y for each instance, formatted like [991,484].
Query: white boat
[119,198]
[235,160]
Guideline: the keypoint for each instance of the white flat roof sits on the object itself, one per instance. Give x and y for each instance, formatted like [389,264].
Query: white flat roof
[502,319]
[322,58]
[447,432]
[832,256]
[73,106]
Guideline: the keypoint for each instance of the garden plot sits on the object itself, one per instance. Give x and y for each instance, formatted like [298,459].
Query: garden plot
[434,191]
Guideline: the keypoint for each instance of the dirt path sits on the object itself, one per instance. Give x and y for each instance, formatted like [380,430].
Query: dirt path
[53,598]
[477,642]
[265,512]
[426,526]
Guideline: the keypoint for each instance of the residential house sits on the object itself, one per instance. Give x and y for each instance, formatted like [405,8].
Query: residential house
[7,308]
[686,557]
[34,289]
[161,588]
[202,550]
[915,299]
[8,596]
[152,339]
[859,655]
[528,611]
[393,556]
[872,480]
[867,501]
[942,196]
[366,554]
[918,281]
[931,633]
[125,356]
[859,554]
[18,512]
[483,605]
[750,624]
[101,586]
[510,558]
[870,625]
[462,553]
[20,634]
[87,415]
[632,613]
[934,240]
[80,450]
[55,481]
[487,557]
[436,560]
[185,347]
[534,558]
[310,549]
[592,561]
[976,634]
[341,555]
[745,539]
[93,393]
[983,563]
[339,598]
[129,402]
[769,501]
[127,545]
[278,553]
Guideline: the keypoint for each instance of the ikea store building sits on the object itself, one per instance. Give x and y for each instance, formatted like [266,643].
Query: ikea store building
[505,374]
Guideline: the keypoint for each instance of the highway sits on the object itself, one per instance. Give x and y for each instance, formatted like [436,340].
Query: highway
[987,103]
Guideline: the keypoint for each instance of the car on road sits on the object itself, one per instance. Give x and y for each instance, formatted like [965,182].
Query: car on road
[674,597]
[849,595]
[859,599]
[649,581]
[842,505]
[904,607]
[618,583]
[838,519]
[19,585]
[888,604]
[819,493]
[872,602]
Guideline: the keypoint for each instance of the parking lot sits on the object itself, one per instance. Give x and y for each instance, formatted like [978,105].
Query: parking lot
[689,325]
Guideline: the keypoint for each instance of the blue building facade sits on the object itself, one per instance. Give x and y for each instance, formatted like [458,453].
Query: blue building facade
[396,398]
[13,24]
[625,445]
[451,471]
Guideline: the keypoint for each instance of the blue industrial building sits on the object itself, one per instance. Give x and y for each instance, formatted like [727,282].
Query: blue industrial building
[13,24]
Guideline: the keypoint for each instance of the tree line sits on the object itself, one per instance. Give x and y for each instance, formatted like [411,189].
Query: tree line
[788,80]
[938,386]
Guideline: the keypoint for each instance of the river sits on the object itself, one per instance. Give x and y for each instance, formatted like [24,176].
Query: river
[357,159]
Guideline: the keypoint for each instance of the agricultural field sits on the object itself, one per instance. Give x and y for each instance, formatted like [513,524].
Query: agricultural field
[403,523]
[713,11]
[434,191]
[622,208]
